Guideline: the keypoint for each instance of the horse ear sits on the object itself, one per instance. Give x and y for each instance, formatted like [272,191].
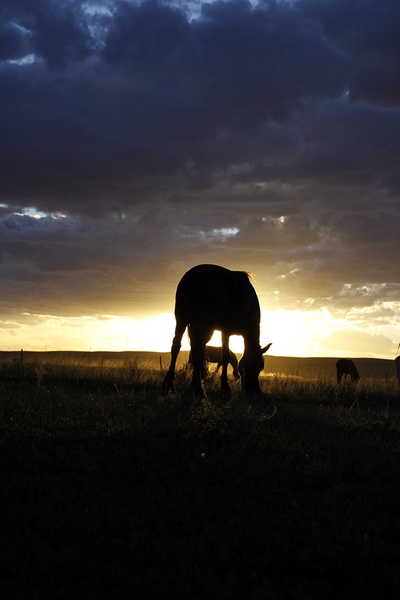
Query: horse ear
[263,350]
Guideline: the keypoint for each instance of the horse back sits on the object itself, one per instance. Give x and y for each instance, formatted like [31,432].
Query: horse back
[220,298]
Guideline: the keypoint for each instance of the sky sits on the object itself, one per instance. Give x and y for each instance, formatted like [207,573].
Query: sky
[139,139]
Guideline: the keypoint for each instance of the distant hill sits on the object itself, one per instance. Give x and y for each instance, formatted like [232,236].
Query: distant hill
[314,368]
[325,368]
[96,359]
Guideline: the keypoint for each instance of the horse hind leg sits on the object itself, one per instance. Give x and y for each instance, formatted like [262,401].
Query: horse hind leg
[234,362]
[198,341]
[198,361]
[225,389]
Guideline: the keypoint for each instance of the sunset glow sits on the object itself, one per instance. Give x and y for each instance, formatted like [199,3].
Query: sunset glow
[292,333]
[143,139]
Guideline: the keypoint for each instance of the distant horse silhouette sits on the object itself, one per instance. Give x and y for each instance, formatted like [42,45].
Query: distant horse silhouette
[213,354]
[397,367]
[209,298]
[346,367]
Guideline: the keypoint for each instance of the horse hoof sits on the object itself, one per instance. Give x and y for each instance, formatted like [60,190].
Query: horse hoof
[199,393]
[166,388]
[255,395]
[225,395]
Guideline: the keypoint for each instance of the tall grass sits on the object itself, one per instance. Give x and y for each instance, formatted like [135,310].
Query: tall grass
[110,490]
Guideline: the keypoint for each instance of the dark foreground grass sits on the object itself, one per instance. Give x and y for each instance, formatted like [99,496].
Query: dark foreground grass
[109,490]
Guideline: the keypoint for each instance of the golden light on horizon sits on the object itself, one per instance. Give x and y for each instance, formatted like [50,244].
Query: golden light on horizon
[292,333]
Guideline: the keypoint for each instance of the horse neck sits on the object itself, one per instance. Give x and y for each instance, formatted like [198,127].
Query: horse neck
[251,344]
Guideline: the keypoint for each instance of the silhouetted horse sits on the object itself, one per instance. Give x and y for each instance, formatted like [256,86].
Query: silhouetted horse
[346,367]
[213,354]
[397,367]
[208,298]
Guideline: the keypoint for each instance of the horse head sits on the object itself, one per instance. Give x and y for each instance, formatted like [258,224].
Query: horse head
[250,366]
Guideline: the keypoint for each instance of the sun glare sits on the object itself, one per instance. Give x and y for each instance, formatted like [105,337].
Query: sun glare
[106,332]
[292,333]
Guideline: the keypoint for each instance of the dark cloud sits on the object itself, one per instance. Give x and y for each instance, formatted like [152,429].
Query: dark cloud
[53,31]
[369,32]
[156,135]
[163,101]
[13,44]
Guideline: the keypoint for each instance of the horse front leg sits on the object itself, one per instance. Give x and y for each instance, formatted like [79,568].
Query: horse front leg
[225,389]
[168,383]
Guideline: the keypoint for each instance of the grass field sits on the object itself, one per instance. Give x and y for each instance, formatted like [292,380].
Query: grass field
[111,491]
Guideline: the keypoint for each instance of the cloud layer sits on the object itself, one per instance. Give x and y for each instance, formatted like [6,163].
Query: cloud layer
[151,136]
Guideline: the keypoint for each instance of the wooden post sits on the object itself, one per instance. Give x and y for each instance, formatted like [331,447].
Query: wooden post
[161,367]
[21,362]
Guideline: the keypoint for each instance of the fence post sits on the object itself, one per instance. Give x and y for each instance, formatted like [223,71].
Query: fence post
[21,363]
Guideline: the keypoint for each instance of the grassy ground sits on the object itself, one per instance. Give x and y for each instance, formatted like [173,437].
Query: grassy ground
[109,490]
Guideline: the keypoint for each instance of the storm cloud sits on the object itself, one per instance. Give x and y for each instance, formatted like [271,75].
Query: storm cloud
[141,138]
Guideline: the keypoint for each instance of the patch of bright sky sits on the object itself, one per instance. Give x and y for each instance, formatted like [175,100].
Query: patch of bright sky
[38,214]
[221,233]
[25,60]
[224,232]
[193,7]
[97,30]
[94,8]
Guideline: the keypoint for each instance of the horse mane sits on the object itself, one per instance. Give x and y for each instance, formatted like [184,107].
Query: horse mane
[250,276]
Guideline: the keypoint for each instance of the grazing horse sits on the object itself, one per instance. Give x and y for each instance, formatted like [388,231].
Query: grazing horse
[397,367]
[209,298]
[213,354]
[346,367]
